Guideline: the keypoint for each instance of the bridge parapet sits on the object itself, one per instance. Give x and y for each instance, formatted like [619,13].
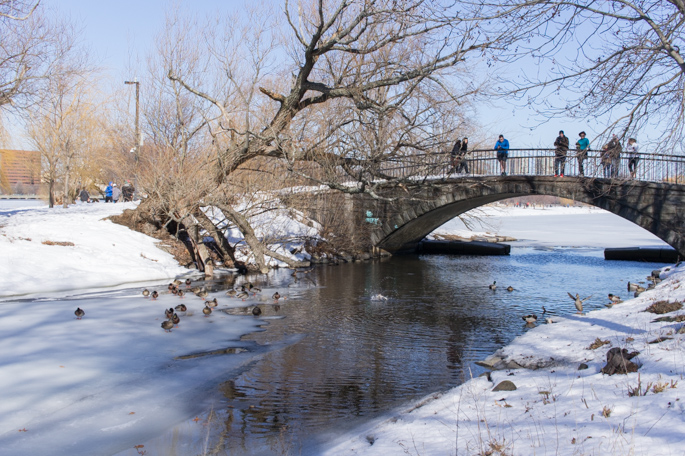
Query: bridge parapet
[653,167]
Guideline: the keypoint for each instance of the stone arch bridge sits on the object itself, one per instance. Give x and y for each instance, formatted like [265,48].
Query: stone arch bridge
[408,213]
[423,192]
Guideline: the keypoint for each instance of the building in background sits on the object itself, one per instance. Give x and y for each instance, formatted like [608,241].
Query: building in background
[19,172]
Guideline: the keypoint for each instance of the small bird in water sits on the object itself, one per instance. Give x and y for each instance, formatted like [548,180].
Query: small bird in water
[256,311]
[79,313]
[181,308]
[167,325]
[276,296]
[532,318]
[493,285]
[146,292]
[632,286]
[577,301]
[188,282]
[212,303]
[154,294]
[510,288]
[207,311]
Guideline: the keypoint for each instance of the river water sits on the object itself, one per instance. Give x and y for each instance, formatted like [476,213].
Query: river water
[377,335]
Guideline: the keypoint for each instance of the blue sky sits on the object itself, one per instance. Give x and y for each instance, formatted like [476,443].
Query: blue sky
[121,33]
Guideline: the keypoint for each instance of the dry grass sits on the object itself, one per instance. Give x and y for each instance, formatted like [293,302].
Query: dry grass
[598,343]
[66,243]
[663,307]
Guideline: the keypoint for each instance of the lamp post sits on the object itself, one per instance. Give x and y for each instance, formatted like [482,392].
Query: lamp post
[137,143]
[136,147]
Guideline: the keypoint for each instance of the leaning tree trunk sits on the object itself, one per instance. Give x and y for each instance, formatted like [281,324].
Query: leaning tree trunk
[225,249]
[259,250]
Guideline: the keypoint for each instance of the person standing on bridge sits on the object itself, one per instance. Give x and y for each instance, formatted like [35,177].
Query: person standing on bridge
[502,148]
[582,148]
[454,157]
[633,156]
[463,163]
[561,145]
[611,156]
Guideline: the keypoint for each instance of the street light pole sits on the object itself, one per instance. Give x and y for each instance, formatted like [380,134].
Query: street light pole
[138,141]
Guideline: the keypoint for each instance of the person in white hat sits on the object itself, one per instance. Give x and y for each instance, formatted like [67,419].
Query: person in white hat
[116,192]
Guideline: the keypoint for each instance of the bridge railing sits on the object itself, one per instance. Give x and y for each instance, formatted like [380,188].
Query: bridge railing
[537,162]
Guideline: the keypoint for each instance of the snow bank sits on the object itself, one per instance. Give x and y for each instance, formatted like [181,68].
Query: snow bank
[59,249]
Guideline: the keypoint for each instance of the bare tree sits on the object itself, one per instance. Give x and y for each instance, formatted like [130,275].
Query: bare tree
[65,128]
[331,92]
[30,51]
[619,61]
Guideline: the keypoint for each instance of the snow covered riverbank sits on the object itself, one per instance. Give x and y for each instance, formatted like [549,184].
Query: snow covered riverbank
[55,250]
[110,381]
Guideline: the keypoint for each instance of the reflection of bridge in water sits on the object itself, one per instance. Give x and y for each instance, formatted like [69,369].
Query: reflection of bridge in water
[432,194]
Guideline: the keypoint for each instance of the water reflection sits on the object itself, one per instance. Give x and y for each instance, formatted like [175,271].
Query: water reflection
[361,356]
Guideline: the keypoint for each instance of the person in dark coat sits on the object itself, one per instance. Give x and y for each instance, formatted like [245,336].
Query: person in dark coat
[454,156]
[561,149]
[611,156]
[127,191]
[463,165]
[83,196]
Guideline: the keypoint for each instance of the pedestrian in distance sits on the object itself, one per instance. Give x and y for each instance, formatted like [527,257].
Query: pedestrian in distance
[463,165]
[560,151]
[502,148]
[83,196]
[116,193]
[611,156]
[582,148]
[108,193]
[454,156]
[633,156]
[127,191]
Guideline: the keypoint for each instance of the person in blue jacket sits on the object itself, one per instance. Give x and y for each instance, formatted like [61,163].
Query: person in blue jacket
[108,193]
[502,148]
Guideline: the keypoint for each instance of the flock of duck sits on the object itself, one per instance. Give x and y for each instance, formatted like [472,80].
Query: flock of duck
[175,288]
[248,289]
[531,319]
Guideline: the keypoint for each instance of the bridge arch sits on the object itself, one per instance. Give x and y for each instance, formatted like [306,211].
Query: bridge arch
[657,207]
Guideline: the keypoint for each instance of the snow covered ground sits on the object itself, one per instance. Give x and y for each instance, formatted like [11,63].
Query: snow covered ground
[97,253]
[108,382]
